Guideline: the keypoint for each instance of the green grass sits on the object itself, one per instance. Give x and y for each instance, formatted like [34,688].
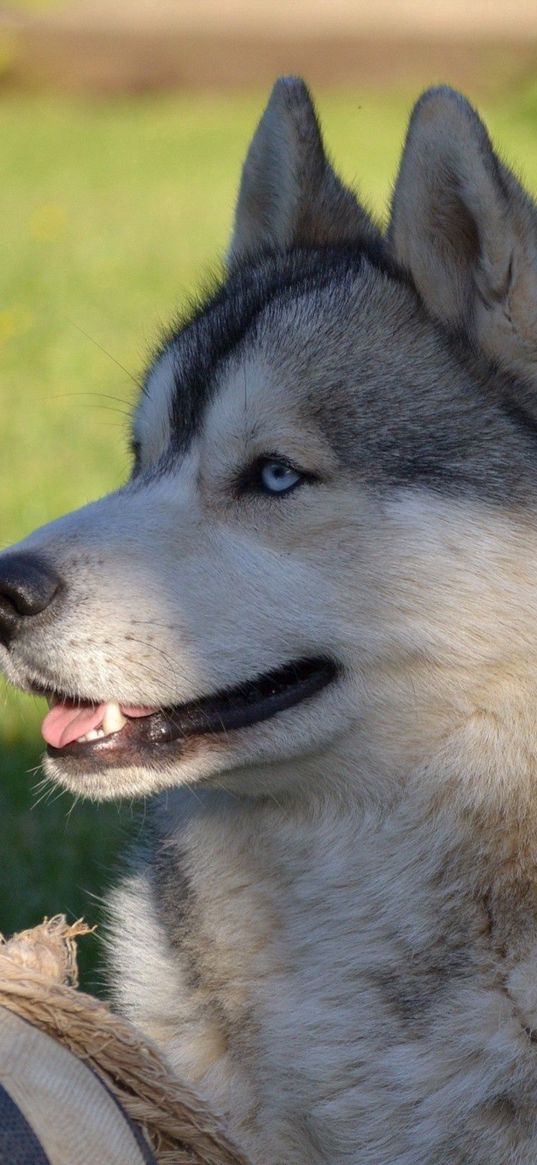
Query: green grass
[111,215]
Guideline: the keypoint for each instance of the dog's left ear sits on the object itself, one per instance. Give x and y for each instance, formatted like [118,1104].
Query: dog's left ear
[466,230]
[289,194]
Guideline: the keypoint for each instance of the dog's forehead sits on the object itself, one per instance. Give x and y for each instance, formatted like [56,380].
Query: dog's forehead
[351,351]
[290,328]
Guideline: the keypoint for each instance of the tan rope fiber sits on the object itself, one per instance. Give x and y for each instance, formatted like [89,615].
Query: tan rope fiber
[36,969]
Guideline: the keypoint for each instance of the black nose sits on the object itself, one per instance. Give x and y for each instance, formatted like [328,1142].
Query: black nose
[27,587]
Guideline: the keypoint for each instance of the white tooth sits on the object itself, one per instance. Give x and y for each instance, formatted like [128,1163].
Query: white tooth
[93,734]
[113,719]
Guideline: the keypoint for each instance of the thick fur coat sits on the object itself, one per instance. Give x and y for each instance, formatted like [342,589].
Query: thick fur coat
[314,609]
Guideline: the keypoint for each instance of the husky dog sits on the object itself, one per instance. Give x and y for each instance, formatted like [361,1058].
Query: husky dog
[307,628]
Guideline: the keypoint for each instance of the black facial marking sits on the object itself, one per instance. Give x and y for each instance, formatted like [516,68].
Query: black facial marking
[410,403]
[217,327]
[135,450]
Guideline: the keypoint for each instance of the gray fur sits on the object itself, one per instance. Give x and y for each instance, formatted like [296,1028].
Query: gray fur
[289,194]
[474,255]
[423,409]
[331,926]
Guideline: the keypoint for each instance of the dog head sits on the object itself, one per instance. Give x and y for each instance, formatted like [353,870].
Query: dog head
[328,542]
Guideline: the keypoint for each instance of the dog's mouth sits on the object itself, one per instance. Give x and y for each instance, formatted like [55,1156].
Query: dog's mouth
[114,733]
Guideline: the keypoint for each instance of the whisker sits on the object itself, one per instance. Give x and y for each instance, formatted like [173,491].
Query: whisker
[60,793]
[100,395]
[153,623]
[131,375]
[190,786]
[111,409]
[160,651]
[34,770]
[47,797]
[140,671]
[76,801]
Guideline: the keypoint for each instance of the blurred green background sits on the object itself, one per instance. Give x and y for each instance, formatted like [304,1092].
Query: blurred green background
[113,212]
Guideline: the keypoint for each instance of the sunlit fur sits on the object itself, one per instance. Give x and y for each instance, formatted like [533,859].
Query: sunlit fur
[330,924]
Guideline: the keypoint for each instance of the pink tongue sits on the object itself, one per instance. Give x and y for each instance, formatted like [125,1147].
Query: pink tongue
[67,721]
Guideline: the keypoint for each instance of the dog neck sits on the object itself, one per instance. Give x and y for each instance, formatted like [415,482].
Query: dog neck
[457,808]
[424,895]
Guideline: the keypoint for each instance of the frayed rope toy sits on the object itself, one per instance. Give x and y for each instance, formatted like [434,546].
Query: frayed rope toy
[162,1120]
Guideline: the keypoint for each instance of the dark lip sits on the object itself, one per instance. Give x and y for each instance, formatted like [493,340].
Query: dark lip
[156,737]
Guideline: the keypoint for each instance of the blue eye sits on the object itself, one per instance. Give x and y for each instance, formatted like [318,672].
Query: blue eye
[276,477]
[271,476]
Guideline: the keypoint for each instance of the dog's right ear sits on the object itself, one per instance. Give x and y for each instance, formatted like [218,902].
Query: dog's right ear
[289,194]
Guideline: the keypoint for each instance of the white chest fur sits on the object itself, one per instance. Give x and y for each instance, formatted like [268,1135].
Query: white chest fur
[331,984]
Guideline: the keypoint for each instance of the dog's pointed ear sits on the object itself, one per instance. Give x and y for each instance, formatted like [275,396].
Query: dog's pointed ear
[465,229]
[289,194]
